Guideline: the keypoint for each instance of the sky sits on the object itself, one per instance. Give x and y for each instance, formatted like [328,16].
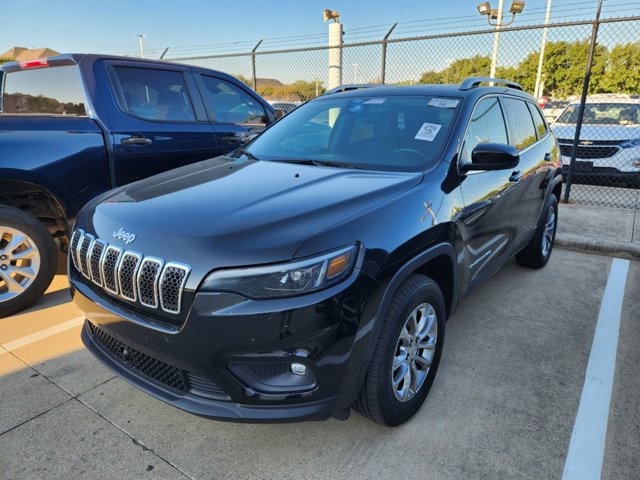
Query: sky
[110,26]
[194,28]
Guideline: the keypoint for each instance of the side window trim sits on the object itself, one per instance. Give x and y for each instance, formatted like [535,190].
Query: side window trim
[466,129]
[211,114]
[118,93]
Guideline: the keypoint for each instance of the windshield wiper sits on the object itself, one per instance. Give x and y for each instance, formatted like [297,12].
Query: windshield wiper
[320,163]
[247,153]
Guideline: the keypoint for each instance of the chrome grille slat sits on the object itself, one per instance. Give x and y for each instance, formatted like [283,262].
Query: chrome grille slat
[172,280]
[73,246]
[84,245]
[127,269]
[108,269]
[129,275]
[95,259]
[148,276]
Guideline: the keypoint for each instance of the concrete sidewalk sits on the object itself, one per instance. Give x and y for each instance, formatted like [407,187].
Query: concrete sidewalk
[599,229]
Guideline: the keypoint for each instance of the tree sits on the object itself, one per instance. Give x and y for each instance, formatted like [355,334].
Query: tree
[5,60]
[622,74]
[244,80]
[459,70]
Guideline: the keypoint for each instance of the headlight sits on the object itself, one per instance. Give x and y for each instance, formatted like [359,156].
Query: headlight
[634,142]
[286,279]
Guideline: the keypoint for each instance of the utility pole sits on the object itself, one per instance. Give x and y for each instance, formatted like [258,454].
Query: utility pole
[141,37]
[496,40]
[537,92]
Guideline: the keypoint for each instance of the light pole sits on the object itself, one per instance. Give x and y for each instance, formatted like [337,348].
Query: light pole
[141,37]
[496,14]
[537,91]
[335,48]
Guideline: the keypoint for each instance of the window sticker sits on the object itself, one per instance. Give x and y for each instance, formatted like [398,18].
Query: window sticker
[375,101]
[443,102]
[428,132]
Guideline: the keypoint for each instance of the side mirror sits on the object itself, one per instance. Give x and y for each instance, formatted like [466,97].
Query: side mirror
[493,156]
[278,113]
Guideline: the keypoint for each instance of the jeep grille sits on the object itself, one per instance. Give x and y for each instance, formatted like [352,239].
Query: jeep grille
[128,274]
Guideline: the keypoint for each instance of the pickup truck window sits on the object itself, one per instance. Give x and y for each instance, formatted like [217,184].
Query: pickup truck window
[48,91]
[230,104]
[154,94]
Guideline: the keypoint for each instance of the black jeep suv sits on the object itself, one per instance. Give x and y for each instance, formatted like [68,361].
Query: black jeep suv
[315,268]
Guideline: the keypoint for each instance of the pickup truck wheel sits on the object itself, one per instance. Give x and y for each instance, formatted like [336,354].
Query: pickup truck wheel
[407,354]
[537,253]
[27,260]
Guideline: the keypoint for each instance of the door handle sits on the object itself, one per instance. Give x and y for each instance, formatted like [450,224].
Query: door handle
[515,176]
[231,139]
[136,141]
[547,157]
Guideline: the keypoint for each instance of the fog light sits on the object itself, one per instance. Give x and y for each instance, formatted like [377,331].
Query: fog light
[298,369]
[636,163]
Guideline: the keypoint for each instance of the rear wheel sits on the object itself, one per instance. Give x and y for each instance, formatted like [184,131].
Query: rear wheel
[27,260]
[536,254]
[407,353]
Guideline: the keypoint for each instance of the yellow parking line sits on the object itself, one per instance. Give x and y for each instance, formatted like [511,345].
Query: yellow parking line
[42,334]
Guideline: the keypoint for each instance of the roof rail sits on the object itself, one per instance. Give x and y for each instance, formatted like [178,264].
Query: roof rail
[473,82]
[353,86]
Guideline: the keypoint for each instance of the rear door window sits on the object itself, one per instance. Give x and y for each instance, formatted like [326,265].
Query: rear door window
[541,126]
[44,91]
[154,94]
[522,132]
[227,103]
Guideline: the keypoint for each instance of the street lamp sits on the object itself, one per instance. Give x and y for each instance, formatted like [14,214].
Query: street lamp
[496,14]
[141,37]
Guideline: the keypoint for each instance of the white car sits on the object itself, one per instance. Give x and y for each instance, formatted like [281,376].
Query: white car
[609,144]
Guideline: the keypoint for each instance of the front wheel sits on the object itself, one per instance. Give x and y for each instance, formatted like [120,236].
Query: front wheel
[407,354]
[27,260]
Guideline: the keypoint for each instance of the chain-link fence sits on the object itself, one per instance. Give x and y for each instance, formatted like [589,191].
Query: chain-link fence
[599,135]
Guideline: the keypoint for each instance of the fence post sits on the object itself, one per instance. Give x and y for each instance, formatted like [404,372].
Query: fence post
[253,65]
[583,99]
[384,53]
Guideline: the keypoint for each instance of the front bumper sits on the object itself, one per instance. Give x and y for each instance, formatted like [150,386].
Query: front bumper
[230,360]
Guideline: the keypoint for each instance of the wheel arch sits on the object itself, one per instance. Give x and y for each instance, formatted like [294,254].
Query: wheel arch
[37,201]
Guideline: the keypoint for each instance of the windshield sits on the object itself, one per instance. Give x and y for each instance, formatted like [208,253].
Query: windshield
[603,114]
[381,133]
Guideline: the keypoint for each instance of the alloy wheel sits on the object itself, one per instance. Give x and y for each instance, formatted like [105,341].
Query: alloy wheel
[414,352]
[549,229]
[19,262]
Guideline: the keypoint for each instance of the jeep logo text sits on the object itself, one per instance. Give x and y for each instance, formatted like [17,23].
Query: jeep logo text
[126,237]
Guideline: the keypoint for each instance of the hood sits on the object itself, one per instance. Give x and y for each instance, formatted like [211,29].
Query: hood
[221,213]
[613,133]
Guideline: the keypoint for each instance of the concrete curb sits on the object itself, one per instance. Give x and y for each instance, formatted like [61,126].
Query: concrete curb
[604,247]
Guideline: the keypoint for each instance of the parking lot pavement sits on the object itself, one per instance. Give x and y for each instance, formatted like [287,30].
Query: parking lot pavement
[503,404]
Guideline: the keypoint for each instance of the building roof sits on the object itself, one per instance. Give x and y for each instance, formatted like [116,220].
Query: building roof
[13,53]
[35,53]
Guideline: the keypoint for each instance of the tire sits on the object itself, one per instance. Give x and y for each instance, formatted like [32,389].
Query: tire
[537,253]
[18,291]
[379,396]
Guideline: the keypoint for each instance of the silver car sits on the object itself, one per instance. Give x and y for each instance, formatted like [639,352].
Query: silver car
[609,141]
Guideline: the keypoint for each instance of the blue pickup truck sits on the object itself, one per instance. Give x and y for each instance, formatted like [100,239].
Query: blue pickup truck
[75,126]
